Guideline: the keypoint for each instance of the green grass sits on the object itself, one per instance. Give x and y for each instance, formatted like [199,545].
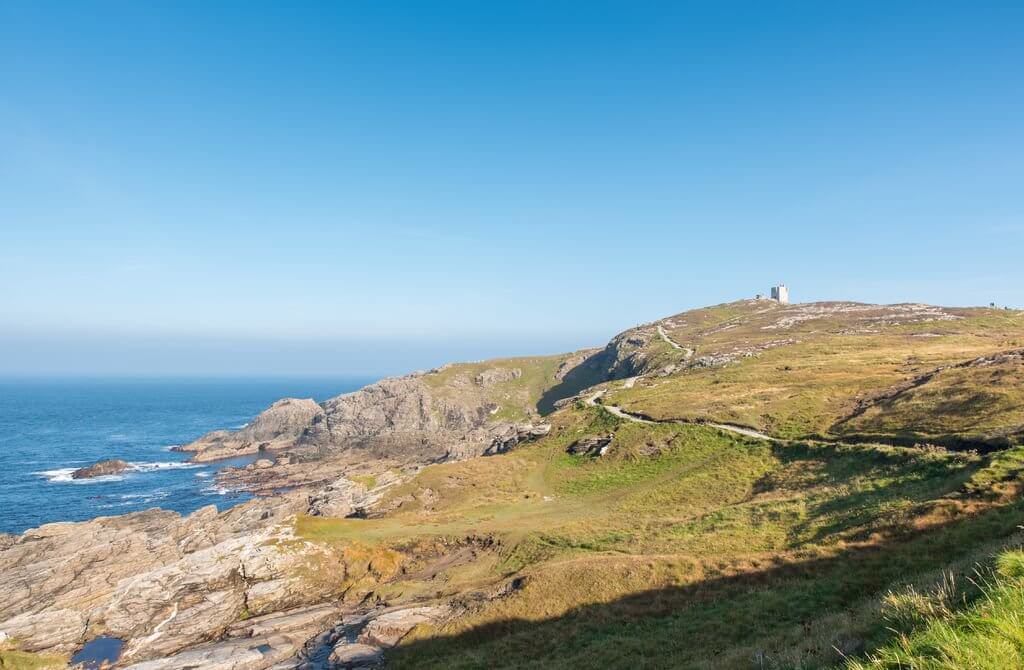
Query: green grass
[12,659]
[986,635]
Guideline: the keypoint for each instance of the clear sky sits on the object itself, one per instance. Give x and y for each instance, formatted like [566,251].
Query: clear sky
[372,187]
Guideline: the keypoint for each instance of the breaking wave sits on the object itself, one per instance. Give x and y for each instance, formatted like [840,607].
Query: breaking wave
[63,475]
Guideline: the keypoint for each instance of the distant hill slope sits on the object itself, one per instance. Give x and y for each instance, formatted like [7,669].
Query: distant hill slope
[835,368]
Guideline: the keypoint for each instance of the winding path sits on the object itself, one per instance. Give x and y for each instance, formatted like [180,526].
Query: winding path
[687,351]
[595,400]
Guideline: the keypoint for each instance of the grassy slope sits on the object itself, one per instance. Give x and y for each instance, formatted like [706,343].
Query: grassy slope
[683,543]
[806,376]
[987,634]
[688,547]
[975,400]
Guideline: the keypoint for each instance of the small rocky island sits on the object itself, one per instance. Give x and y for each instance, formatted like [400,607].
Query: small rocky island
[113,466]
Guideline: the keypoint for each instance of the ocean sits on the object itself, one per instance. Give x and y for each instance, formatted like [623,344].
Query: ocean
[48,428]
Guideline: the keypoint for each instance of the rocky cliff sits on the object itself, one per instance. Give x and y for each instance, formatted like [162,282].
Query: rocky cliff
[407,418]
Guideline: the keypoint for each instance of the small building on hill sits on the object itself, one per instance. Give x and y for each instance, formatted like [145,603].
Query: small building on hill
[780,294]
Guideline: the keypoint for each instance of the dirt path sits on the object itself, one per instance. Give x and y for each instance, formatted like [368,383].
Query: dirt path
[595,400]
[688,352]
[740,430]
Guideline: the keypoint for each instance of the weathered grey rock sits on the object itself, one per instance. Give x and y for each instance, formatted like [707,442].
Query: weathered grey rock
[591,446]
[388,629]
[493,376]
[339,499]
[60,630]
[278,427]
[355,655]
[254,653]
[274,640]
[509,436]
[157,580]
[402,418]
[100,469]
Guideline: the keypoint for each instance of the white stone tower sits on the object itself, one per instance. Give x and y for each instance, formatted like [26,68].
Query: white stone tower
[780,293]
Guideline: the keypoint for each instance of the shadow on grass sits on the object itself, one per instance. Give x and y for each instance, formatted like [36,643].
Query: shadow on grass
[893,479]
[794,614]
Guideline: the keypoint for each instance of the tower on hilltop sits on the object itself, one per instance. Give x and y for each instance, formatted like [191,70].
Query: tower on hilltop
[780,294]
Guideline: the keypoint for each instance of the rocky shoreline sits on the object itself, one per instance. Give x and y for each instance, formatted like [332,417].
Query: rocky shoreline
[239,589]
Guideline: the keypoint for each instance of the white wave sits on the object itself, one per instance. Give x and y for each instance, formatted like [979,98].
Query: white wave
[143,498]
[162,465]
[214,490]
[203,475]
[241,426]
[146,497]
[58,475]
[63,476]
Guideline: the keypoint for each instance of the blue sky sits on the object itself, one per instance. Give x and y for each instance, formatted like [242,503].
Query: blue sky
[327,188]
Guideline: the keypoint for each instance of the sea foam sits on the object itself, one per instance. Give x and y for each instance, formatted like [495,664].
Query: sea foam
[63,475]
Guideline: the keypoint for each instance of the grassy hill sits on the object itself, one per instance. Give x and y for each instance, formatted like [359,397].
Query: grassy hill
[839,370]
[684,545]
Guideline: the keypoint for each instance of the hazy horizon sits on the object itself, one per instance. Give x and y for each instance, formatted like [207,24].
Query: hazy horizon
[366,189]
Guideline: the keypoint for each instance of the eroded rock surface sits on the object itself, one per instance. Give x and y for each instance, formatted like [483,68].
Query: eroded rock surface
[402,418]
[155,579]
[277,427]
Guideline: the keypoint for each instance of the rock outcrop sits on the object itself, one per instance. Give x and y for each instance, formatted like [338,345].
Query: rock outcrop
[278,427]
[155,579]
[402,418]
[591,446]
[101,469]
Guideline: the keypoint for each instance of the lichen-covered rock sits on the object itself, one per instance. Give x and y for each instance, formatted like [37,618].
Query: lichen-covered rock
[339,499]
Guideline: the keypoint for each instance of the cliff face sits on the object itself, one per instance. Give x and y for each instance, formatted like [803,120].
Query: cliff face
[275,428]
[455,412]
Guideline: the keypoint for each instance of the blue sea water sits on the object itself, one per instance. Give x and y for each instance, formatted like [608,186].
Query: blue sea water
[50,427]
